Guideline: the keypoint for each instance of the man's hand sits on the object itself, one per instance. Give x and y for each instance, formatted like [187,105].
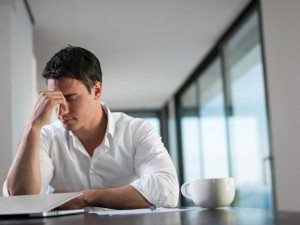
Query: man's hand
[77,203]
[123,197]
[44,105]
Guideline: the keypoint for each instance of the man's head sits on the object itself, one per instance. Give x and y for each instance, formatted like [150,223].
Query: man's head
[77,63]
[76,73]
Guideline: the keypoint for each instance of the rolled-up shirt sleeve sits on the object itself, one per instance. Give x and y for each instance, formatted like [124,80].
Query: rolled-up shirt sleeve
[5,190]
[157,181]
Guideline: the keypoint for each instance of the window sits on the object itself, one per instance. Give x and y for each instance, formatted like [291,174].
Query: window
[248,127]
[213,122]
[223,116]
[190,134]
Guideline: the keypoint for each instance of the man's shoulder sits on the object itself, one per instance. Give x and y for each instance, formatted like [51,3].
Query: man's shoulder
[122,120]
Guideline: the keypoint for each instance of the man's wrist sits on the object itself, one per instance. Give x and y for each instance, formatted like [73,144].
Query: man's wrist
[33,126]
[88,197]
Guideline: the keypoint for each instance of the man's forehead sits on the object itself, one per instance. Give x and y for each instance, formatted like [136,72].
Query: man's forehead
[63,83]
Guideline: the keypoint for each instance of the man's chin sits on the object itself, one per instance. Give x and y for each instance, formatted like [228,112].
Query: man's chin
[69,126]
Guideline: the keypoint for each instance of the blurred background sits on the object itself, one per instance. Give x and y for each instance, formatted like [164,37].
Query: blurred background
[218,79]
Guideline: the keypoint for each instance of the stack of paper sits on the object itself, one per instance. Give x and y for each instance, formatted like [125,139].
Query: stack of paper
[111,212]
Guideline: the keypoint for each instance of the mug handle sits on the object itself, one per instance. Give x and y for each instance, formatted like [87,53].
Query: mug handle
[184,191]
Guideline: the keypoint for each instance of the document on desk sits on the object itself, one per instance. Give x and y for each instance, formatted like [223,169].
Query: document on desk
[112,212]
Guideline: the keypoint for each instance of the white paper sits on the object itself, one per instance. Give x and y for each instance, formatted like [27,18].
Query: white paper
[111,212]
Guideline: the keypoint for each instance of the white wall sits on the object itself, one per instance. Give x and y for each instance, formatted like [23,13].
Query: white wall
[5,84]
[23,88]
[281,32]
[17,78]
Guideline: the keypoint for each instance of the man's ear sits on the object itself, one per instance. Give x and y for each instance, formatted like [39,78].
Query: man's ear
[97,90]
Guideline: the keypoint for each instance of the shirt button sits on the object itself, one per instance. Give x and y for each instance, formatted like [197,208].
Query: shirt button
[92,170]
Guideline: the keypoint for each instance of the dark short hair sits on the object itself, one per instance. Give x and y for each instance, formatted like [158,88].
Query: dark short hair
[74,62]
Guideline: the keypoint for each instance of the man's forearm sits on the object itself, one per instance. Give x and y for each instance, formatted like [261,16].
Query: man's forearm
[24,175]
[124,197]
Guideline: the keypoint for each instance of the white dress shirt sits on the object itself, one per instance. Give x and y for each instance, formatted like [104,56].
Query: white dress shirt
[131,153]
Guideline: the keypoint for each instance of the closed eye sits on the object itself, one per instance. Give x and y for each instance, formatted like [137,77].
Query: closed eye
[71,97]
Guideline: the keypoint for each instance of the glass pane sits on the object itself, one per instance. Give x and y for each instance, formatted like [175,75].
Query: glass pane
[190,134]
[213,122]
[248,132]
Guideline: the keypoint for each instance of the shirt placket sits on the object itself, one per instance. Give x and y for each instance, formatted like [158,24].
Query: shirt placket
[98,154]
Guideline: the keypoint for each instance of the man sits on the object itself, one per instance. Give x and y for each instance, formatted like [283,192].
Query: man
[116,161]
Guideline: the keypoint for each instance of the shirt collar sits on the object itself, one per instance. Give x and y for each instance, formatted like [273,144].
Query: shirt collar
[110,129]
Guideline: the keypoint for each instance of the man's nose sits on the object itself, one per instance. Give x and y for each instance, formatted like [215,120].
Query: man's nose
[62,110]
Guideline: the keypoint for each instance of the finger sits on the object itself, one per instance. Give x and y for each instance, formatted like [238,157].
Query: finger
[54,100]
[57,99]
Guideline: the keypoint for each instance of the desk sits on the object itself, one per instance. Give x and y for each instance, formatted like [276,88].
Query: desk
[229,216]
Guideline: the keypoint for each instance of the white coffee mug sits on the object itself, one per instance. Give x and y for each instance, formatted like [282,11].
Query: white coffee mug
[210,193]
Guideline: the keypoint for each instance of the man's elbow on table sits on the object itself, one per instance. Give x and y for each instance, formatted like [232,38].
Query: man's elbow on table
[170,192]
[172,200]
